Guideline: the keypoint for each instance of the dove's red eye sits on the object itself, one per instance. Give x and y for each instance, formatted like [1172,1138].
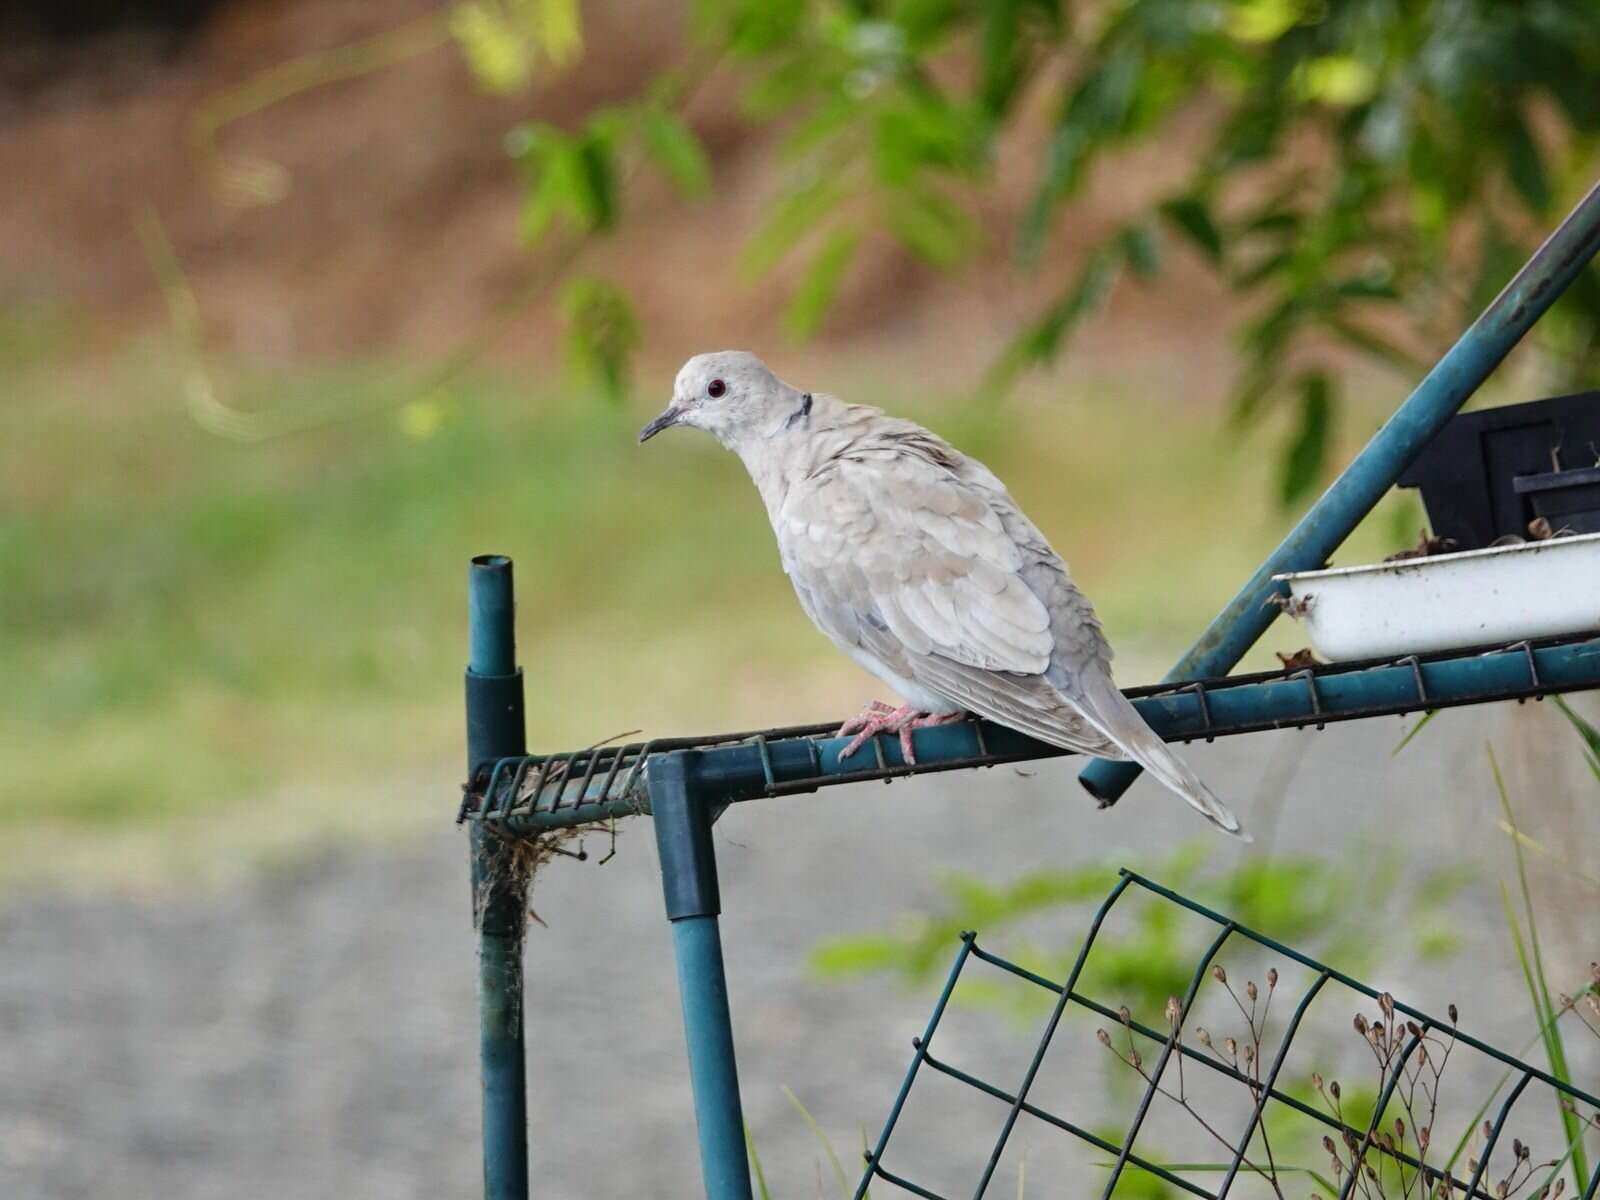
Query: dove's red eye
[715,388]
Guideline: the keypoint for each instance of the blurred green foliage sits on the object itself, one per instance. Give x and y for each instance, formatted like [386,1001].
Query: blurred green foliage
[1365,174]
[185,608]
[1038,918]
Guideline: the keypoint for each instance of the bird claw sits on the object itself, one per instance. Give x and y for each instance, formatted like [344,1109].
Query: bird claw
[875,710]
[878,718]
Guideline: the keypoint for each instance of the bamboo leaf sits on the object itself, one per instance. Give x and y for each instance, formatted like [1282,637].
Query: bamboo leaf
[1191,216]
[1308,446]
[1044,339]
[676,150]
[1000,56]
[789,220]
[602,334]
[1525,164]
[931,225]
[817,289]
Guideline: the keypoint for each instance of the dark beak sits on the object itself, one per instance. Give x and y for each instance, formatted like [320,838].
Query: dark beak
[666,420]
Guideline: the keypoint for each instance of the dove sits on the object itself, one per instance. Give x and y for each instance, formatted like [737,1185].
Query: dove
[916,562]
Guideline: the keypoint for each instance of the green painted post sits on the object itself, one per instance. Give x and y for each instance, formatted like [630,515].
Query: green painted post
[682,815]
[495,729]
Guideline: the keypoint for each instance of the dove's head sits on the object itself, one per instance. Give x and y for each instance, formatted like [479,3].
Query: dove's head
[730,394]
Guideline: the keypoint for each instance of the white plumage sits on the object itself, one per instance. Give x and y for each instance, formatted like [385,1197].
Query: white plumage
[915,560]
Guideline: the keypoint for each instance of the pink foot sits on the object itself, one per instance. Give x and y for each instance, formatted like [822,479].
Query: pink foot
[924,721]
[878,718]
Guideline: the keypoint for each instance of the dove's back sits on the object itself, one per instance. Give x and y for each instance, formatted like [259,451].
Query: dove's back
[915,560]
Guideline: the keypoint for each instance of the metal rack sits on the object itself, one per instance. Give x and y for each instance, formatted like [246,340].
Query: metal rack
[525,795]
[686,783]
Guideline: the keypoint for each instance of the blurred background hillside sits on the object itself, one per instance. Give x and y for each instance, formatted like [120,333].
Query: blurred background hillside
[225,633]
[286,337]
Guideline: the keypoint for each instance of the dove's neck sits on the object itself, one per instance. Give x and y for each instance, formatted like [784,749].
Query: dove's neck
[781,452]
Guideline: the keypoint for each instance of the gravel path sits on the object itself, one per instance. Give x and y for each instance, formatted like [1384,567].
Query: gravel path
[310,1031]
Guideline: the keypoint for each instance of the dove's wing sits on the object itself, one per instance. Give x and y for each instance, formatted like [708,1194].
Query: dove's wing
[909,554]
[900,561]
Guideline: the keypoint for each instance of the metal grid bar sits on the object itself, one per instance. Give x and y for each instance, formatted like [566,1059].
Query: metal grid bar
[1171,1042]
[601,783]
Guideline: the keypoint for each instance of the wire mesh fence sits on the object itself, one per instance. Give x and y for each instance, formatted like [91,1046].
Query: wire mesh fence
[1386,1140]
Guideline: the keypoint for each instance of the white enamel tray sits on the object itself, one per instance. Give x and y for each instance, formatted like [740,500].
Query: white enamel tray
[1450,601]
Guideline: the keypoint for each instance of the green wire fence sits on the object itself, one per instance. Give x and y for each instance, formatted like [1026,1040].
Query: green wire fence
[1407,1041]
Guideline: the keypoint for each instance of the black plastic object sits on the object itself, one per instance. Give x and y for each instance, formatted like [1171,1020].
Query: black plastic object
[683,837]
[1488,474]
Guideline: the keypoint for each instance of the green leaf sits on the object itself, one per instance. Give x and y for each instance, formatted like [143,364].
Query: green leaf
[1589,734]
[762,1191]
[1094,113]
[594,182]
[602,334]
[1308,445]
[557,27]
[1191,216]
[789,220]
[1140,250]
[855,955]
[1040,342]
[676,150]
[502,39]
[498,53]
[1414,730]
[1000,56]
[817,289]
[931,225]
[822,1140]
[1525,164]
[1538,985]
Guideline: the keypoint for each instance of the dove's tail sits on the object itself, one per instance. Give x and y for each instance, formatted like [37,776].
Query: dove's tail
[1116,717]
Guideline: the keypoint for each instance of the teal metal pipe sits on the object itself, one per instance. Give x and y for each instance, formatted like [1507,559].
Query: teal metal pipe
[495,729]
[1373,472]
[693,902]
[1242,704]
[713,1072]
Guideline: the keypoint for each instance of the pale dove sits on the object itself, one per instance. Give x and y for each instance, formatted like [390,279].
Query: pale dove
[915,560]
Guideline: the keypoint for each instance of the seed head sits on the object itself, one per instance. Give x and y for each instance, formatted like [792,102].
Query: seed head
[1174,1010]
[1219,974]
[1250,988]
[1454,1015]
[1105,1038]
[1272,978]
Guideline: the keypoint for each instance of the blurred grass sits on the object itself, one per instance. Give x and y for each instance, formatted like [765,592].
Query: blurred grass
[226,650]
